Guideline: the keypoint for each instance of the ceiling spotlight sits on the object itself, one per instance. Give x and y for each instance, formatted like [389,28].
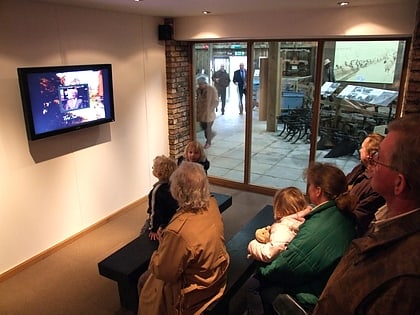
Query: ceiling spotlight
[343,3]
[206,12]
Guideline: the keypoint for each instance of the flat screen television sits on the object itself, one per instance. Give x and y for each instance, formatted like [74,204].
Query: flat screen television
[59,99]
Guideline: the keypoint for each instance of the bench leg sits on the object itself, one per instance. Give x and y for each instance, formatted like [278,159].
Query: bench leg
[129,298]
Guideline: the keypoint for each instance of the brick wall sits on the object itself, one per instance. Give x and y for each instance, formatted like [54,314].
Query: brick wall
[178,71]
[412,94]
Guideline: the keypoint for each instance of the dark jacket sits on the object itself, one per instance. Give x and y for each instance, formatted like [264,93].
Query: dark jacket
[310,258]
[221,79]
[237,78]
[162,206]
[205,163]
[369,201]
[382,270]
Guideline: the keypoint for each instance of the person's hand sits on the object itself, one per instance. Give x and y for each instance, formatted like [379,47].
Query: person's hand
[308,209]
[305,211]
[159,234]
[154,236]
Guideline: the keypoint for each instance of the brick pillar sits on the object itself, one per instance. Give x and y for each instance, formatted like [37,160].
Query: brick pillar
[178,75]
[412,94]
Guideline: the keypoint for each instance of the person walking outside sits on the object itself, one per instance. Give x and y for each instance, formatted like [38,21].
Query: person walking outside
[207,101]
[221,82]
[239,78]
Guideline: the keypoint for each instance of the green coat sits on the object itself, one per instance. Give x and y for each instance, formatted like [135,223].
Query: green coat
[304,268]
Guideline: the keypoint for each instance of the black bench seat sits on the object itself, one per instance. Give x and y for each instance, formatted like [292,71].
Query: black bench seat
[127,264]
[240,268]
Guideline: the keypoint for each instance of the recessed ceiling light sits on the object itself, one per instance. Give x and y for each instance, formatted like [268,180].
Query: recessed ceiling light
[206,12]
[343,3]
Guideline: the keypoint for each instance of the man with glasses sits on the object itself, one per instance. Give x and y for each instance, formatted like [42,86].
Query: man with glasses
[382,268]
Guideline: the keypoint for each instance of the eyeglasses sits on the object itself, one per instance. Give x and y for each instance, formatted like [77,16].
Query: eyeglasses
[373,160]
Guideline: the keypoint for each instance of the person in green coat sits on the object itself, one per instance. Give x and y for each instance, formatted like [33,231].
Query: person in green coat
[303,269]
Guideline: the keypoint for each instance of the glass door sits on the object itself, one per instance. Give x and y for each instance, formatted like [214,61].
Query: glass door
[303,101]
[283,87]
[227,151]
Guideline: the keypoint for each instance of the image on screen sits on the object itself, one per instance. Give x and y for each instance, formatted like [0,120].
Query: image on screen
[74,97]
[366,61]
[60,99]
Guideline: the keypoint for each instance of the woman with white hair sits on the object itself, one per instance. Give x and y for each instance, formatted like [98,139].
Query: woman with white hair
[188,271]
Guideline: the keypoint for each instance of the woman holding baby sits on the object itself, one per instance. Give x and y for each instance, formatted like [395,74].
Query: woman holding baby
[303,268]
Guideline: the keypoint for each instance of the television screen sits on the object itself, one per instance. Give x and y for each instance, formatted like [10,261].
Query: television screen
[59,99]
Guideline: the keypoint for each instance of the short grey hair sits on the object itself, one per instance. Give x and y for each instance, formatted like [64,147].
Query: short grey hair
[201,79]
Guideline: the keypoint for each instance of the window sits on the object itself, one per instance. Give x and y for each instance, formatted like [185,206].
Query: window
[289,118]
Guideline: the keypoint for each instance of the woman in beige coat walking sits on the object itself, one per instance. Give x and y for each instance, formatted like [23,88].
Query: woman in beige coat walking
[207,101]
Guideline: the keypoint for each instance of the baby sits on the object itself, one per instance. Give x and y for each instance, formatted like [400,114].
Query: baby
[290,207]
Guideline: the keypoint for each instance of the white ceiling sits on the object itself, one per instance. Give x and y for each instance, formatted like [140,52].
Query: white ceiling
[185,8]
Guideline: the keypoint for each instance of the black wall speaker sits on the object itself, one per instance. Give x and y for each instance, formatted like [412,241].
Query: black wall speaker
[165,32]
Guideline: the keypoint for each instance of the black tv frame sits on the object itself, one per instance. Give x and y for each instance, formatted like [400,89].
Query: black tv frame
[43,93]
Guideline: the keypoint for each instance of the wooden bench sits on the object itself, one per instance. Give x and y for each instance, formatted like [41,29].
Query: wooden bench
[127,264]
[240,268]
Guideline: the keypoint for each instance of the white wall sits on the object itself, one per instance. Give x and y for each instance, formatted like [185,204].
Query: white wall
[52,189]
[384,20]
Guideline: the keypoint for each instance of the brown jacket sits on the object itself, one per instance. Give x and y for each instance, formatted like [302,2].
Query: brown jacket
[189,269]
[380,273]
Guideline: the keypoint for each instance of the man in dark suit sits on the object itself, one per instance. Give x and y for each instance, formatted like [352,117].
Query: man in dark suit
[239,78]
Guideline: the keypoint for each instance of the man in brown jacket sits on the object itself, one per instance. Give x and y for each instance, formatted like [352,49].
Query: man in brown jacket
[382,268]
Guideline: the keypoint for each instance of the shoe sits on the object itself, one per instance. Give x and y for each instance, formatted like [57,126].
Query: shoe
[206,146]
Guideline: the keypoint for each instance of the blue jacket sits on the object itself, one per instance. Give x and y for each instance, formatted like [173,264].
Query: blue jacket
[310,258]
